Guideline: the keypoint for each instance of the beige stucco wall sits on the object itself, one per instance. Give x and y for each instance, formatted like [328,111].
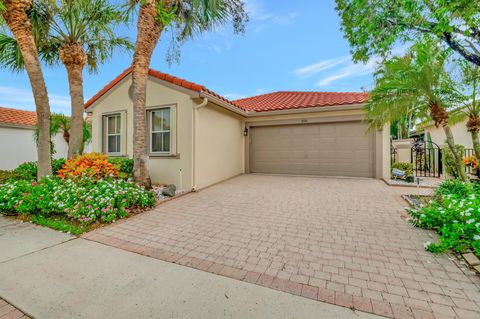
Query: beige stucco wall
[383,164]
[220,145]
[459,131]
[404,150]
[174,169]
[219,149]
[19,146]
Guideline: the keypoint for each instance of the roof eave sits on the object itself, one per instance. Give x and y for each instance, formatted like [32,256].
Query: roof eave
[19,126]
[224,104]
[329,108]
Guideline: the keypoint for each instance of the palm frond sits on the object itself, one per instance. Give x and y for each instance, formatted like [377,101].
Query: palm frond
[10,56]
[406,86]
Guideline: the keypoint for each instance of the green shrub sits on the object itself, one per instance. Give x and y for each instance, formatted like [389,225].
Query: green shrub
[455,214]
[404,166]
[81,199]
[449,162]
[124,165]
[28,170]
[5,176]
[455,187]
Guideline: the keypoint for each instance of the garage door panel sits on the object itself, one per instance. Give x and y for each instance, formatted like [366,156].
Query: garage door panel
[330,149]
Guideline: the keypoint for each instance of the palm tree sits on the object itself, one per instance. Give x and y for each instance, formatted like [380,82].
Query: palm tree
[78,33]
[62,124]
[417,82]
[470,83]
[14,14]
[186,18]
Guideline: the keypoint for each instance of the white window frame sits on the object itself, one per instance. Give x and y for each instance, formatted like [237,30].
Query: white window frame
[107,135]
[171,131]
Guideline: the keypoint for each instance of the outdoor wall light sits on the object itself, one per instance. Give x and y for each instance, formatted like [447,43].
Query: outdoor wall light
[245,132]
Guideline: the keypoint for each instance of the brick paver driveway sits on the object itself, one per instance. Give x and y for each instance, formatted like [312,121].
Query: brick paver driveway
[340,241]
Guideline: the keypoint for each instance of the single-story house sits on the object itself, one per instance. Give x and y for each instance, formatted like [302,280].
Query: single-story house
[198,138]
[17,138]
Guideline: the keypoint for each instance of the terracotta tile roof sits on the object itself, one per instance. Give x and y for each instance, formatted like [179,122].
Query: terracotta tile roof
[162,76]
[261,103]
[17,117]
[297,100]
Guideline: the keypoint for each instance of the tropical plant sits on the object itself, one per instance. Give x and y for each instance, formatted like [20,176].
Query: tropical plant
[14,13]
[92,165]
[469,84]
[449,160]
[124,166]
[61,123]
[77,33]
[375,27]
[185,18]
[416,82]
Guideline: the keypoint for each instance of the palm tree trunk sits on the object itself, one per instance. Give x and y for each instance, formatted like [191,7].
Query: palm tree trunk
[74,58]
[15,16]
[475,143]
[75,82]
[149,31]
[458,157]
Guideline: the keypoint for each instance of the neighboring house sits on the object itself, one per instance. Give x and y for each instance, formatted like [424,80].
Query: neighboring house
[459,130]
[17,138]
[198,138]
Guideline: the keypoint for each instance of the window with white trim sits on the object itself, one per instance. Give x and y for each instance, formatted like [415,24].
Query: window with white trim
[160,131]
[113,131]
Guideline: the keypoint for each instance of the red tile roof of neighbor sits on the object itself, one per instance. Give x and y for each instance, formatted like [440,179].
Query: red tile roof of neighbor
[261,103]
[17,117]
[297,100]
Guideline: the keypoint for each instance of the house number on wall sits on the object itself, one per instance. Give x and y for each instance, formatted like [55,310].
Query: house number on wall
[304,121]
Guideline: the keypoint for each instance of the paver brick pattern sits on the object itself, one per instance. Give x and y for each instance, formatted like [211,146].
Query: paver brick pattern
[7,311]
[340,241]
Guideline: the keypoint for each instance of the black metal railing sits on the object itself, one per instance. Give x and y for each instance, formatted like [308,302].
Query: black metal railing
[427,162]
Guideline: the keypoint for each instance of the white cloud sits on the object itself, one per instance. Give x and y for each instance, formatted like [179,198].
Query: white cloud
[23,99]
[349,71]
[321,66]
[260,17]
[342,68]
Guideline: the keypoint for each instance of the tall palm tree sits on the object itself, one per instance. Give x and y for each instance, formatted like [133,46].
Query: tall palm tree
[78,33]
[417,82]
[186,18]
[14,14]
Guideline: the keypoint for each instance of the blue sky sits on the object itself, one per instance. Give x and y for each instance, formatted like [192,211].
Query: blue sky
[288,45]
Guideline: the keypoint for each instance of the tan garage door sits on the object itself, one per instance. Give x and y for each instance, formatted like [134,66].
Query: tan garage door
[329,149]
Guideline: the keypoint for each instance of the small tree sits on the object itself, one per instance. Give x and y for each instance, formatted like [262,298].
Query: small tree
[417,81]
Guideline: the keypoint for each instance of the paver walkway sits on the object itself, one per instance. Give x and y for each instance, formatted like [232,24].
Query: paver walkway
[340,241]
[7,311]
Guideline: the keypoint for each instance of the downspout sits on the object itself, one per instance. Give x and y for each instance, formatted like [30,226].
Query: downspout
[196,107]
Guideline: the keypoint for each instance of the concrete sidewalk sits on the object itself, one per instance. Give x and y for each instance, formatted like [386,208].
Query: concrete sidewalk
[77,278]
